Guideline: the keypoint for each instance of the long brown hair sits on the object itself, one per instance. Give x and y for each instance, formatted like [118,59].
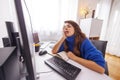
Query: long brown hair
[79,37]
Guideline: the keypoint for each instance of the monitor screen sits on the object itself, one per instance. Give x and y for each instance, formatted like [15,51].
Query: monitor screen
[26,38]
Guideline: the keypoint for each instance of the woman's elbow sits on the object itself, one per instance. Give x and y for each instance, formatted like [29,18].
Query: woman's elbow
[54,51]
[101,71]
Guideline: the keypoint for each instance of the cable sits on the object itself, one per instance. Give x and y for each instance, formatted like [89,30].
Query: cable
[38,76]
[51,54]
[43,72]
[28,15]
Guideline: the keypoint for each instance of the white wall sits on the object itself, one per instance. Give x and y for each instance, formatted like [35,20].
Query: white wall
[7,13]
[91,4]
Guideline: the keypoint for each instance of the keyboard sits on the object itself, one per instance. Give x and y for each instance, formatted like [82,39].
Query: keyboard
[64,68]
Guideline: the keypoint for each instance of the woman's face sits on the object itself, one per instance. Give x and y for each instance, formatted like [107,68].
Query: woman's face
[68,29]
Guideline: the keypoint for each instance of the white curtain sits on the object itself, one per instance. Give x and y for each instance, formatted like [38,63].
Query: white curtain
[102,12]
[113,31]
[48,16]
[111,24]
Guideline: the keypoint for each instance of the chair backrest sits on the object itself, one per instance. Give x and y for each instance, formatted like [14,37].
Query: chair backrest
[100,45]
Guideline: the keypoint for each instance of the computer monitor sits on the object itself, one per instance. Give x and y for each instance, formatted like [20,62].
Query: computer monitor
[26,38]
[11,34]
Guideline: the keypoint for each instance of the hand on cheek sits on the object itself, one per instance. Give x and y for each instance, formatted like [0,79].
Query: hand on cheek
[64,36]
[71,55]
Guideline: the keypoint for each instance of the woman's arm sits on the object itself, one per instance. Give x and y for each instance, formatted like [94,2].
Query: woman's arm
[58,44]
[88,63]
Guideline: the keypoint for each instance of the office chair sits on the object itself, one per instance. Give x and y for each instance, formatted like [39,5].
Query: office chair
[101,45]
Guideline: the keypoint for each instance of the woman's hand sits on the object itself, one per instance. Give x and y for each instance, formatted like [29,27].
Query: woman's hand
[58,44]
[63,36]
[71,55]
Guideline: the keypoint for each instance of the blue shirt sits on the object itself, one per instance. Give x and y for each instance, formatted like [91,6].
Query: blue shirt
[87,50]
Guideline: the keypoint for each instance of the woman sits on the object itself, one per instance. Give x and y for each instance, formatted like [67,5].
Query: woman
[79,48]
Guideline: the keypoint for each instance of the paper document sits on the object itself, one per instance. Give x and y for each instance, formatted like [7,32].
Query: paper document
[63,55]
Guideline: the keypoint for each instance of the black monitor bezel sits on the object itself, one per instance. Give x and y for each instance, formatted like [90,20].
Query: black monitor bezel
[24,41]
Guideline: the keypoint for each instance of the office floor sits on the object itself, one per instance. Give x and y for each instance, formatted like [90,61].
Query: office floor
[113,66]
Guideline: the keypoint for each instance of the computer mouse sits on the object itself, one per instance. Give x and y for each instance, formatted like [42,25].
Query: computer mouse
[42,52]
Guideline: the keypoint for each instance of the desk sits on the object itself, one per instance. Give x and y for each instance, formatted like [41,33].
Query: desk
[9,64]
[5,53]
[46,73]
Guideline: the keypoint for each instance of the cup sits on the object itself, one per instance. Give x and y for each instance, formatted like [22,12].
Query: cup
[37,47]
